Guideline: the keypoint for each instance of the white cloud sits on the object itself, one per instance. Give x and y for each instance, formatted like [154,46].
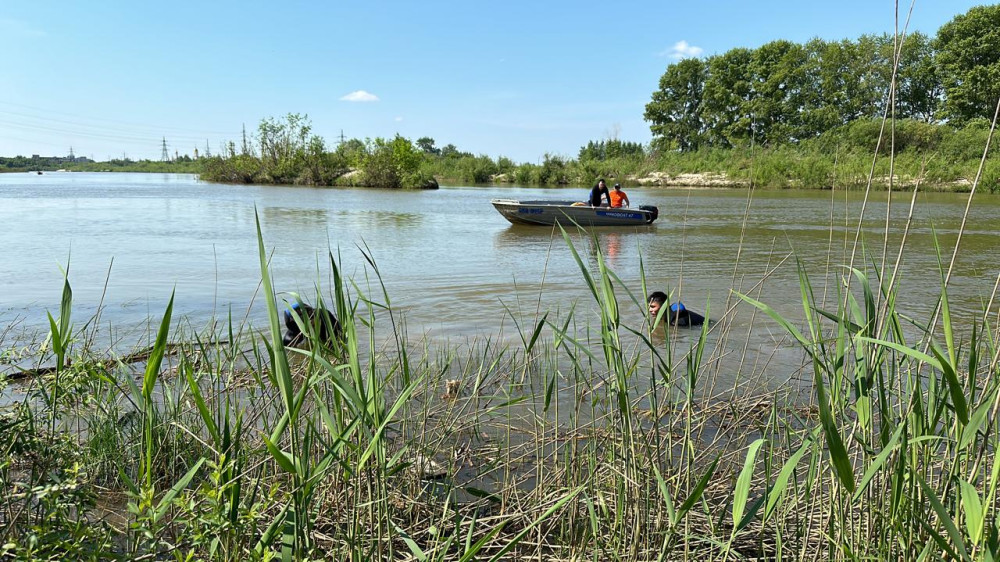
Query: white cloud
[398,119]
[681,50]
[359,95]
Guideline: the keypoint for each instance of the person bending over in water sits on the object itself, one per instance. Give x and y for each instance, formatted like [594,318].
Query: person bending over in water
[677,315]
[318,320]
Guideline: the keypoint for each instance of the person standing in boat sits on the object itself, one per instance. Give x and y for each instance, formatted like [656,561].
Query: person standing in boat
[618,197]
[598,192]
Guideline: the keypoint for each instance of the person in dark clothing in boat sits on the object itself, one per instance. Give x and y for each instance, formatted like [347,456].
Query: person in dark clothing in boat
[600,190]
[317,320]
[677,315]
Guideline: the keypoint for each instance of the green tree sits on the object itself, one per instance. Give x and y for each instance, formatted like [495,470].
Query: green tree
[918,85]
[427,145]
[728,93]
[968,56]
[674,113]
[779,91]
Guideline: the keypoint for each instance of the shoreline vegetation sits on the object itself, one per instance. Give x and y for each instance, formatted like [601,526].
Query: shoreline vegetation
[939,157]
[590,439]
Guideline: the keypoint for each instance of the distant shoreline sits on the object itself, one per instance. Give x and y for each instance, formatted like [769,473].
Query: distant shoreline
[702,180]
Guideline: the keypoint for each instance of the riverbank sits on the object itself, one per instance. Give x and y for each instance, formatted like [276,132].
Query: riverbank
[593,438]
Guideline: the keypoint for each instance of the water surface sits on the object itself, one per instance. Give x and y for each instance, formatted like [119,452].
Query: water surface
[450,262]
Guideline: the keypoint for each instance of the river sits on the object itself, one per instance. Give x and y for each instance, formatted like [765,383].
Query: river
[450,263]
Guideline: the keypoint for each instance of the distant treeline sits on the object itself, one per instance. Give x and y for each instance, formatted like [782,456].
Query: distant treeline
[941,154]
[180,165]
[36,162]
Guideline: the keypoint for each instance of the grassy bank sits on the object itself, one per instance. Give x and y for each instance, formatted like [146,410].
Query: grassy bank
[938,156]
[590,439]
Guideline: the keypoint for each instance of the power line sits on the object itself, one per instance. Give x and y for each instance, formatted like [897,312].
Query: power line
[165,156]
[85,133]
[77,118]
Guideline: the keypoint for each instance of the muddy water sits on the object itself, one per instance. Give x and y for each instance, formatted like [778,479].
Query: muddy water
[451,264]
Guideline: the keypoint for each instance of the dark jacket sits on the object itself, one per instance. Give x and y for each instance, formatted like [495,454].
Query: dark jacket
[595,195]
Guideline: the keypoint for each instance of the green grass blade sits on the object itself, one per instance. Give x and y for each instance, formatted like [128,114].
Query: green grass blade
[284,460]
[781,482]
[699,489]
[877,464]
[972,508]
[954,385]
[838,453]
[167,498]
[541,518]
[945,517]
[203,410]
[156,356]
[742,491]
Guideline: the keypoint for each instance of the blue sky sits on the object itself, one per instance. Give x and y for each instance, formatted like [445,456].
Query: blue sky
[516,78]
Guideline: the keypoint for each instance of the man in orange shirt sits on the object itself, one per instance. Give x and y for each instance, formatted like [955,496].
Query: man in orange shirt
[617,196]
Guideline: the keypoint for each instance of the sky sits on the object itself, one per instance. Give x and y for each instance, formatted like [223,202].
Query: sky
[517,79]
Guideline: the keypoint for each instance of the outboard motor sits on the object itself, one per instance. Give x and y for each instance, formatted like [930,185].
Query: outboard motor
[651,209]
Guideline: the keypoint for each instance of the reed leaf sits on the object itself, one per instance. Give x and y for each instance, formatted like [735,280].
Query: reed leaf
[972,509]
[538,521]
[949,524]
[777,490]
[954,384]
[698,490]
[838,453]
[877,464]
[742,491]
[168,497]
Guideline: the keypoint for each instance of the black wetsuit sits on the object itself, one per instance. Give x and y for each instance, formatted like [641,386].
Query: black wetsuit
[686,318]
[595,195]
[329,328]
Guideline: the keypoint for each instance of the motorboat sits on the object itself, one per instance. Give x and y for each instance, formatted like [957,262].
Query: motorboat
[548,213]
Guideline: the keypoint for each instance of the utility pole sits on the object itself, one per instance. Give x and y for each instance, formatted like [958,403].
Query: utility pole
[244,148]
[164,155]
[71,157]
[341,137]
[208,151]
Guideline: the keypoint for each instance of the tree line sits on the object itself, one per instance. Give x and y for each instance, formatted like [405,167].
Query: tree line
[785,92]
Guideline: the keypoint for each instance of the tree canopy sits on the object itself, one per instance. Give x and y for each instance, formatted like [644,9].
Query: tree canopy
[784,92]
[968,56]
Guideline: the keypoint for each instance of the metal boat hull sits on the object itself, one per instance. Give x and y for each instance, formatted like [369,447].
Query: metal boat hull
[548,213]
